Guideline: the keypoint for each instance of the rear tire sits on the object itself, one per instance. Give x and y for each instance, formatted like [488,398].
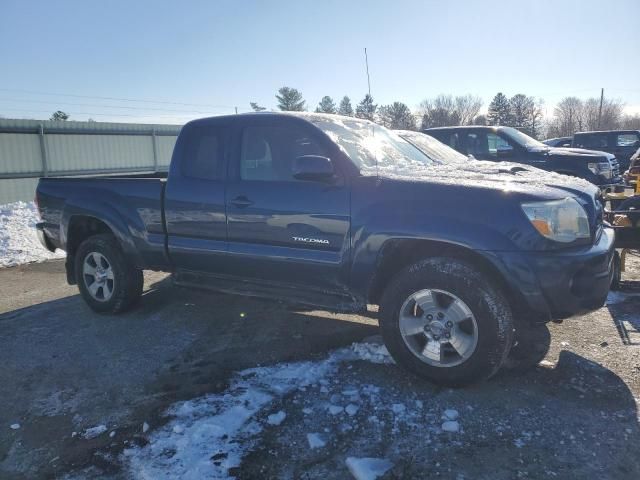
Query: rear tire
[107,280]
[475,344]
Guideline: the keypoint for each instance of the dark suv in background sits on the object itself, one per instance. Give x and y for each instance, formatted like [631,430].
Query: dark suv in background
[511,145]
[621,143]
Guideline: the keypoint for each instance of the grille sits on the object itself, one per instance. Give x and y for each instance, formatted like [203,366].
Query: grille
[615,167]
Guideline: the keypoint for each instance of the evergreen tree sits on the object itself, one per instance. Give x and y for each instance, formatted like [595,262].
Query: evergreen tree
[499,110]
[397,116]
[290,99]
[366,108]
[256,108]
[345,107]
[480,120]
[326,105]
[59,115]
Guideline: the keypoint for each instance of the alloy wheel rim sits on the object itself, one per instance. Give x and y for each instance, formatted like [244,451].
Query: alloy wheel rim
[438,327]
[98,276]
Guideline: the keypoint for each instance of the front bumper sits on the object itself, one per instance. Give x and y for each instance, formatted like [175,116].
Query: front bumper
[553,286]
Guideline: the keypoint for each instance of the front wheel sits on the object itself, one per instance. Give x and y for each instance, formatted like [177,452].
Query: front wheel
[444,320]
[108,282]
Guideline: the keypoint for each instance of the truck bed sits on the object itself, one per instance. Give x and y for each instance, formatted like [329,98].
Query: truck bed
[129,204]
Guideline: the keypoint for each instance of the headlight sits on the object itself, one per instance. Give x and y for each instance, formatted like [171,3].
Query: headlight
[560,220]
[601,168]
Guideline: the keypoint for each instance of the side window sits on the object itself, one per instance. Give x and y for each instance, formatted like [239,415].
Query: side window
[203,152]
[454,141]
[499,148]
[627,140]
[268,153]
[594,142]
[475,144]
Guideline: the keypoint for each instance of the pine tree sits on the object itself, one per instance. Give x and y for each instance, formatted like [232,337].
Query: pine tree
[59,115]
[499,110]
[397,116]
[326,105]
[290,99]
[366,108]
[345,107]
[256,108]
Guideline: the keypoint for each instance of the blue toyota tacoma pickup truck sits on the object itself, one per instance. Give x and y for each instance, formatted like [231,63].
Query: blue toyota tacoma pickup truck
[466,262]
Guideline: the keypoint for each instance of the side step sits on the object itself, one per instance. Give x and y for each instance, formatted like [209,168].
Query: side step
[324,300]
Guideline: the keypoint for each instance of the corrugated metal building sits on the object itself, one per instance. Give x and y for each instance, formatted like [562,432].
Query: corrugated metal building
[30,149]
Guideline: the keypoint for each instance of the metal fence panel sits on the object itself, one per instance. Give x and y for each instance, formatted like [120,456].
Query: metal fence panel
[96,152]
[31,148]
[20,153]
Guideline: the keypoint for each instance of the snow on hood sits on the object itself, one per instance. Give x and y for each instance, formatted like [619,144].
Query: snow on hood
[482,173]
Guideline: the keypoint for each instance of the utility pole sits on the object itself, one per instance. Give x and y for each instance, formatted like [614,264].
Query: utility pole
[236,110]
[600,110]
[366,61]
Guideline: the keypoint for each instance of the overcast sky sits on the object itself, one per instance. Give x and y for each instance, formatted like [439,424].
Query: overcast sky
[208,57]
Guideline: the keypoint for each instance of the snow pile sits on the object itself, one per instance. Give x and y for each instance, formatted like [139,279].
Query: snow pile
[18,239]
[94,432]
[368,468]
[210,435]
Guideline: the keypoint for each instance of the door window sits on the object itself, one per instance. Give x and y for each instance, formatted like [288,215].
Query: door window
[268,153]
[499,147]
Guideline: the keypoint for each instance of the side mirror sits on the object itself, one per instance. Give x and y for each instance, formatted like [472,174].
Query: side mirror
[313,167]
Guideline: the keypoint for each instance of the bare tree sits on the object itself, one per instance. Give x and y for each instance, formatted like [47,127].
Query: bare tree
[631,122]
[610,117]
[568,117]
[467,107]
[439,112]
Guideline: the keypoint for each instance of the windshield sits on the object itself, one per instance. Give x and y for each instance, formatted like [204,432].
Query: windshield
[370,146]
[433,148]
[522,138]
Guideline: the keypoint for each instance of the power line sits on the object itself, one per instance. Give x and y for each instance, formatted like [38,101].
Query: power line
[31,92]
[98,114]
[104,106]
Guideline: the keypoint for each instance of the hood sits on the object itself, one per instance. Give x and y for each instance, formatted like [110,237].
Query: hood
[504,176]
[580,152]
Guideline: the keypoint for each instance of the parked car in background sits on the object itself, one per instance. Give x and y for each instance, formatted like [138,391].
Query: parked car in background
[511,145]
[558,142]
[466,264]
[621,143]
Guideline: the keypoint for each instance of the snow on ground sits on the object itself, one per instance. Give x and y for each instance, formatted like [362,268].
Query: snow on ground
[208,436]
[18,239]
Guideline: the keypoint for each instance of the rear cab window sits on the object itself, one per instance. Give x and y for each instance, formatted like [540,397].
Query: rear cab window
[203,152]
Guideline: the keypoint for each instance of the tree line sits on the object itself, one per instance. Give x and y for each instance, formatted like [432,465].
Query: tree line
[520,111]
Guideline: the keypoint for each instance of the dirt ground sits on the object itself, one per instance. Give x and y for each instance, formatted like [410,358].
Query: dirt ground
[65,369]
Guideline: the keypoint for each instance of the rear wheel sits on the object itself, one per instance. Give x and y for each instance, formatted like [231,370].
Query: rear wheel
[445,321]
[108,282]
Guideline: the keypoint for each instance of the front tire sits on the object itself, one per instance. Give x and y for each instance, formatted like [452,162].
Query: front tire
[107,280]
[445,321]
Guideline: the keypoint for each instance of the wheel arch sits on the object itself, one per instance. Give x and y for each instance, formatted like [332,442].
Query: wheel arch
[396,254]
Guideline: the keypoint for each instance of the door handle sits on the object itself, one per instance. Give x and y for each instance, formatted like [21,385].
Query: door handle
[241,202]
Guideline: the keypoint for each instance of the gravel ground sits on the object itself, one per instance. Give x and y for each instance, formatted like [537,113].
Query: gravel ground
[67,370]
